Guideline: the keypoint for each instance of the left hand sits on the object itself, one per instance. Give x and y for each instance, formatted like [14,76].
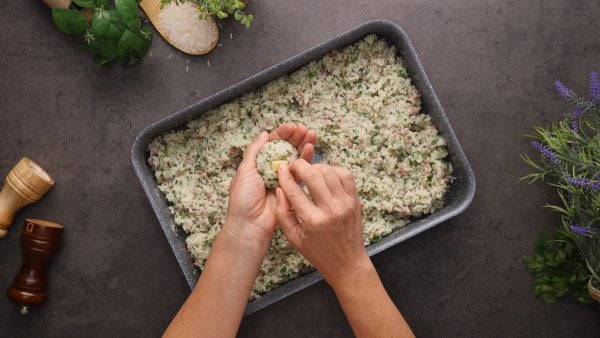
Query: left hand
[251,209]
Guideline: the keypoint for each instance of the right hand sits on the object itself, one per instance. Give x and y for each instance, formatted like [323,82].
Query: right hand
[326,230]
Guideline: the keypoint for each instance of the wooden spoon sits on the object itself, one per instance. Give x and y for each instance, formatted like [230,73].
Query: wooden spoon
[58,3]
[180,26]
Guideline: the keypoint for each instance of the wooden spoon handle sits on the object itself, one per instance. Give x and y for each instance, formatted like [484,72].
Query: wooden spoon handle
[58,3]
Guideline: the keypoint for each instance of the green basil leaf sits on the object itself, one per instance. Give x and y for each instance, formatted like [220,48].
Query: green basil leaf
[113,32]
[69,21]
[129,13]
[129,40]
[100,22]
[100,60]
[143,49]
[116,20]
[107,48]
[84,3]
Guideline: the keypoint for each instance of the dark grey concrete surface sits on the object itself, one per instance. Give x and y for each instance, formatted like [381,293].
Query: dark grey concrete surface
[492,64]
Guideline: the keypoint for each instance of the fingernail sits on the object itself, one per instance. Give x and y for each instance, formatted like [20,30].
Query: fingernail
[283,168]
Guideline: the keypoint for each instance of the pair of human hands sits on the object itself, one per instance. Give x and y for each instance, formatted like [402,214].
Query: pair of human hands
[326,229]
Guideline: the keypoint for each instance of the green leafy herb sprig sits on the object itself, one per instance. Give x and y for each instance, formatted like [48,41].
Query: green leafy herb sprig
[115,31]
[558,268]
[220,9]
[570,162]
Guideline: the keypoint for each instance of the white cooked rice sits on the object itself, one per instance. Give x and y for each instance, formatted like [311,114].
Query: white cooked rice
[273,151]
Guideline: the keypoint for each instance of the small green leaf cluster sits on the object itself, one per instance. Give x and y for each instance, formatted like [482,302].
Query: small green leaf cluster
[220,9]
[570,162]
[558,268]
[114,32]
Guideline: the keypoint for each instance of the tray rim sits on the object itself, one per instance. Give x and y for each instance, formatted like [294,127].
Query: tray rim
[183,116]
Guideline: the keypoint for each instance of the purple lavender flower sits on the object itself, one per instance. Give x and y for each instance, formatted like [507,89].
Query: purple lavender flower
[546,151]
[584,183]
[581,231]
[575,126]
[577,112]
[595,87]
[564,91]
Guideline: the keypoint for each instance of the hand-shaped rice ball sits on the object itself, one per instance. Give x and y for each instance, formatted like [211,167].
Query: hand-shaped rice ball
[270,157]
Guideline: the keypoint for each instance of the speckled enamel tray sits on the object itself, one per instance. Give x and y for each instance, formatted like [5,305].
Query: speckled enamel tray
[458,197]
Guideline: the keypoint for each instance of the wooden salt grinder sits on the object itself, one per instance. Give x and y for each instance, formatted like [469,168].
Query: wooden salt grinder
[26,183]
[39,241]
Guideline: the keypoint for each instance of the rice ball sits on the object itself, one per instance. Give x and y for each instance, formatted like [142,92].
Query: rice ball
[270,157]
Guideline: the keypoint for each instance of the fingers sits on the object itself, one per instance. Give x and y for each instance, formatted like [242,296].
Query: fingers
[299,136]
[283,132]
[296,135]
[303,206]
[291,133]
[347,180]
[308,151]
[310,137]
[332,179]
[287,219]
[313,180]
[252,151]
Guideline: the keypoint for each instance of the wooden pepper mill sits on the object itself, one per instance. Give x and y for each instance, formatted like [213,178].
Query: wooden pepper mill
[39,241]
[26,183]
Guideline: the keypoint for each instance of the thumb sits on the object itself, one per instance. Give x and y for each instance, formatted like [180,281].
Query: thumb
[249,160]
[287,219]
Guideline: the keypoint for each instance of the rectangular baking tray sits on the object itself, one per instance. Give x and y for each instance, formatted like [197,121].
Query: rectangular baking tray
[457,199]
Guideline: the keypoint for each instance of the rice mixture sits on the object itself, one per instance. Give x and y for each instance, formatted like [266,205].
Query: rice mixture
[366,113]
[275,151]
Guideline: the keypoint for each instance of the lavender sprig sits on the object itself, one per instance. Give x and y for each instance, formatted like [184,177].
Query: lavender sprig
[595,87]
[547,152]
[576,113]
[575,126]
[584,183]
[581,231]
[565,92]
